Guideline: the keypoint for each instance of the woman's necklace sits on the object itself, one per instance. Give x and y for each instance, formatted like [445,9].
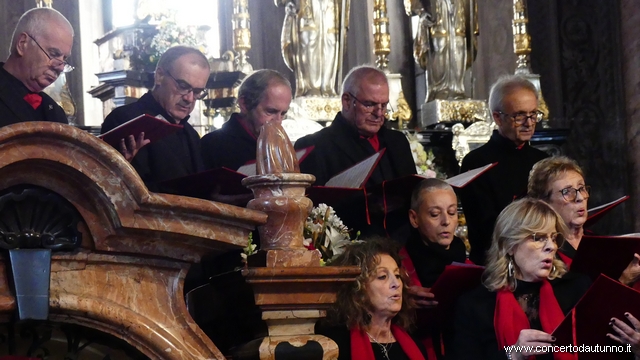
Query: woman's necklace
[384,348]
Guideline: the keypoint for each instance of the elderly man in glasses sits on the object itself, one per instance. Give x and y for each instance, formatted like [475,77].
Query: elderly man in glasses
[180,80]
[356,133]
[40,46]
[513,101]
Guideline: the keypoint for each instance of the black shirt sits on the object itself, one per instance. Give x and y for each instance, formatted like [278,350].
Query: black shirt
[430,260]
[14,109]
[484,198]
[230,146]
[174,156]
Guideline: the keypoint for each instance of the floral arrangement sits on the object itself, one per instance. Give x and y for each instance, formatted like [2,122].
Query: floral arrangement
[424,160]
[325,232]
[145,55]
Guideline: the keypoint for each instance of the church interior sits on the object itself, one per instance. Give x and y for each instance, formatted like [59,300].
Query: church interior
[140,274]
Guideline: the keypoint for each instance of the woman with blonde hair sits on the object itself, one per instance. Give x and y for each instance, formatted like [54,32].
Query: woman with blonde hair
[526,289]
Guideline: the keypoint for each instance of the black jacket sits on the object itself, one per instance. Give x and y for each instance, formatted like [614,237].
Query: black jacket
[485,197]
[230,146]
[14,109]
[339,147]
[430,260]
[174,156]
[475,336]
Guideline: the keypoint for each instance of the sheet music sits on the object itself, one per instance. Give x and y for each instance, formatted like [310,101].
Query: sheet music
[355,176]
[466,177]
[605,205]
[250,169]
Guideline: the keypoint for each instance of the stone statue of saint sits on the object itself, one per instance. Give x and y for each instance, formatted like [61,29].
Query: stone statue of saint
[312,43]
[445,44]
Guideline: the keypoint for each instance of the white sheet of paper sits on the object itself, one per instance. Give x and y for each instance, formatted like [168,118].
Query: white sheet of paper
[251,169]
[355,176]
[463,179]
[605,205]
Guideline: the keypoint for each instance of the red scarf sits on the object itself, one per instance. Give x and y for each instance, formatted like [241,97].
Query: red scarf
[33,99]
[509,318]
[361,347]
[565,259]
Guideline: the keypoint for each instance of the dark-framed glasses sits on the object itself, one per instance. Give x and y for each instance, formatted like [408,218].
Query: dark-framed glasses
[541,239]
[52,60]
[571,193]
[520,118]
[370,106]
[184,88]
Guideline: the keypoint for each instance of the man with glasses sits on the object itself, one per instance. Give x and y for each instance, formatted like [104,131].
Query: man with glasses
[513,101]
[40,46]
[356,133]
[180,80]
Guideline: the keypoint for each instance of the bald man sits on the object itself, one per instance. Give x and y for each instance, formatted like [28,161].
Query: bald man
[40,47]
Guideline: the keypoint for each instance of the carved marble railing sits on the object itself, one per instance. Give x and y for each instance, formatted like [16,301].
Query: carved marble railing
[126,278]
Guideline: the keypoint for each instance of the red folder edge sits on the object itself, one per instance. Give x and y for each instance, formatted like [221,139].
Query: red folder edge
[609,255]
[330,189]
[454,281]
[154,129]
[593,218]
[594,310]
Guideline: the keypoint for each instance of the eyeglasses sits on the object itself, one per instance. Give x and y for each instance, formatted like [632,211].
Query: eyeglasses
[370,106]
[53,61]
[184,88]
[521,118]
[571,193]
[541,239]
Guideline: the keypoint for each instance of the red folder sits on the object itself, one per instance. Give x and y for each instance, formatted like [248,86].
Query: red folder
[608,255]
[397,192]
[588,323]
[154,129]
[348,184]
[598,212]
[456,280]
[202,184]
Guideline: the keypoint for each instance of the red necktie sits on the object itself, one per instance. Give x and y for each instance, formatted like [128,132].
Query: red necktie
[33,99]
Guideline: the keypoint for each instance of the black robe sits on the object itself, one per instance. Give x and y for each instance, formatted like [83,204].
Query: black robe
[475,336]
[230,146]
[174,156]
[484,198]
[14,109]
[430,260]
[337,148]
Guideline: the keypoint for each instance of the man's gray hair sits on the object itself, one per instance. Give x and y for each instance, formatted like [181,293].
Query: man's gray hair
[174,53]
[427,186]
[254,87]
[505,85]
[355,76]
[38,21]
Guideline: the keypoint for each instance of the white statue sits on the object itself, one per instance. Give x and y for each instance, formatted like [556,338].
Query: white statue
[445,45]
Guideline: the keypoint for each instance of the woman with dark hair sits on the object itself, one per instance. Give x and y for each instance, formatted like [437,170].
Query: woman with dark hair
[371,316]
[526,289]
